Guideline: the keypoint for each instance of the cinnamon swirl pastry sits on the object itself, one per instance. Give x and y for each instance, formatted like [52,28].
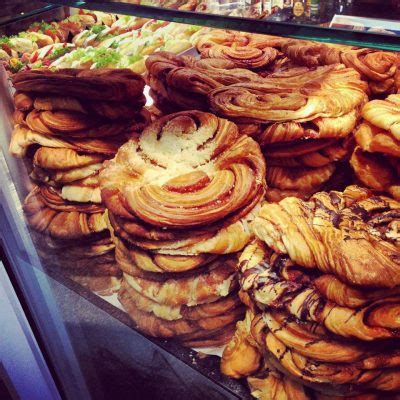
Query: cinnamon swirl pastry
[187,170]
[23,138]
[136,262]
[94,84]
[221,305]
[107,109]
[376,159]
[327,92]
[179,200]
[248,57]
[299,178]
[308,153]
[48,213]
[72,124]
[184,82]
[217,281]
[377,67]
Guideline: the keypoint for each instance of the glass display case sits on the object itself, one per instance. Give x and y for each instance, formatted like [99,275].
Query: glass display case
[91,345]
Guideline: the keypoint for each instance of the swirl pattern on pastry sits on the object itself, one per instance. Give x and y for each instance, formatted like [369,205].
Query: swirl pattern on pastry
[376,159]
[327,228]
[332,91]
[164,184]
[94,84]
[377,67]
[242,56]
[22,138]
[47,212]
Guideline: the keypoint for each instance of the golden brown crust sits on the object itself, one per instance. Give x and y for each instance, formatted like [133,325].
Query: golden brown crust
[137,262]
[242,56]
[112,84]
[322,234]
[180,329]
[240,357]
[225,176]
[375,170]
[106,109]
[22,138]
[217,281]
[222,305]
[63,159]
[47,212]
[302,178]
[273,385]
[309,153]
[377,67]
[330,91]
[73,124]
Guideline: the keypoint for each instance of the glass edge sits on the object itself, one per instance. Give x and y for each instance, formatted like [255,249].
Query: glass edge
[29,14]
[286,29]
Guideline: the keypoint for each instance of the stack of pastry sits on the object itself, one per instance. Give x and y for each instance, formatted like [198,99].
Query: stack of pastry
[376,158]
[323,285]
[256,52]
[182,83]
[376,67]
[179,201]
[65,128]
[303,120]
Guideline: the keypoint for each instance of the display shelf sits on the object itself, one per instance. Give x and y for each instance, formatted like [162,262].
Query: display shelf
[287,29]
[26,11]
[25,15]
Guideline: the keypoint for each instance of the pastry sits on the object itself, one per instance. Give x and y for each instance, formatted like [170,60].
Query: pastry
[377,67]
[242,56]
[321,284]
[375,159]
[232,174]
[111,84]
[327,92]
[179,200]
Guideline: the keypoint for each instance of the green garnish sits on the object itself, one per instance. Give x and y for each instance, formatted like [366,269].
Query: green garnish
[43,26]
[27,35]
[134,58]
[77,54]
[96,29]
[104,57]
[59,52]
[4,40]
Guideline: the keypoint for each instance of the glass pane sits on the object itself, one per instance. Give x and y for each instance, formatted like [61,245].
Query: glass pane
[324,20]
[133,287]
[12,10]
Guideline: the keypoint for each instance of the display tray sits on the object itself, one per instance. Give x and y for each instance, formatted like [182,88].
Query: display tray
[97,306]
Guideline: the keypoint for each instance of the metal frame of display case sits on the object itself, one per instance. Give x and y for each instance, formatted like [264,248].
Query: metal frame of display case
[287,29]
[116,348]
